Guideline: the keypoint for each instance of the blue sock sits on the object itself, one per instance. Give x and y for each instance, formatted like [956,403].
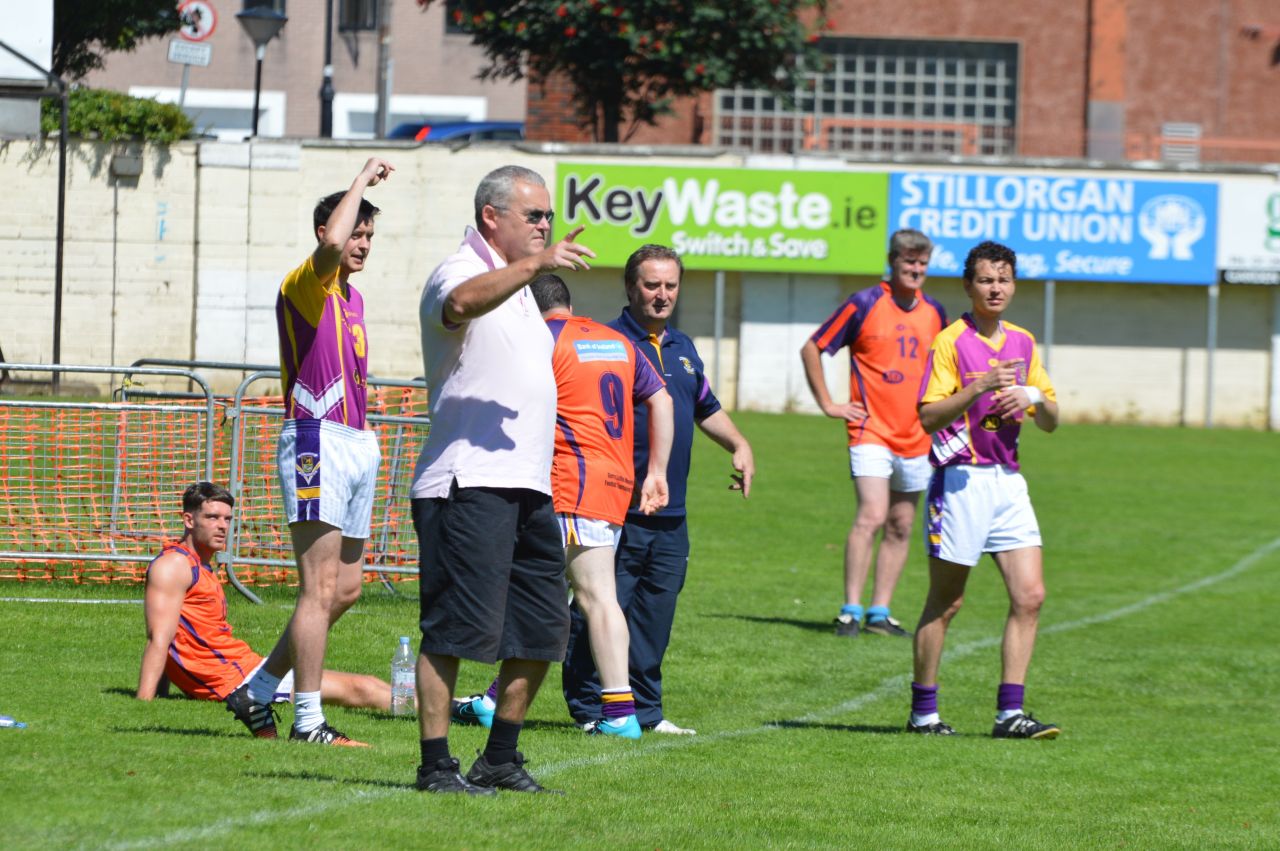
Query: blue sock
[875,614]
[852,609]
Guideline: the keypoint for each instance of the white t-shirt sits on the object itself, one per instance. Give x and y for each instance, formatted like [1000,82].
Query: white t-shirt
[493,393]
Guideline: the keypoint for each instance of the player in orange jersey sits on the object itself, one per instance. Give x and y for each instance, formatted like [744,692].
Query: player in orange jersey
[599,377]
[189,642]
[888,329]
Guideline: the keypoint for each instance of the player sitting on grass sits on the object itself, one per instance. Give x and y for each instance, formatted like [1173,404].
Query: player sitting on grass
[984,374]
[189,642]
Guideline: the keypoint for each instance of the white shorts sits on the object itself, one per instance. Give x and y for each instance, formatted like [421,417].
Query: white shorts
[978,509]
[328,472]
[283,692]
[588,531]
[905,475]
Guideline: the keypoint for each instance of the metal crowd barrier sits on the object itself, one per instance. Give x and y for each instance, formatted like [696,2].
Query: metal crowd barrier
[114,497]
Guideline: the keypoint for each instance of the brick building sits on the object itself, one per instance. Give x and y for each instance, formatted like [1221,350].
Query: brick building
[1116,80]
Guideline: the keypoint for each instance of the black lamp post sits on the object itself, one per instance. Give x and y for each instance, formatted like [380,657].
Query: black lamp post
[261,25]
[326,87]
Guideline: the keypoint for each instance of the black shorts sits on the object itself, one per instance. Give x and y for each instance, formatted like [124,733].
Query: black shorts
[492,575]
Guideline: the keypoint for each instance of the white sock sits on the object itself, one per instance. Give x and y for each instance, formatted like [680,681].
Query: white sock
[1006,714]
[925,720]
[308,714]
[262,687]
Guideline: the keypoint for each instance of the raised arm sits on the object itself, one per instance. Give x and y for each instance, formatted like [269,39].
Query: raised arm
[721,429]
[342,221]
[167,584]
[481,294]
[654,493]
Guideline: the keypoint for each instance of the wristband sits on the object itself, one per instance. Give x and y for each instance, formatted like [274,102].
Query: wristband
[1033,393]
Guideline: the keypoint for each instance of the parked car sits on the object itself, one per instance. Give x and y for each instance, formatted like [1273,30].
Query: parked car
[449,131]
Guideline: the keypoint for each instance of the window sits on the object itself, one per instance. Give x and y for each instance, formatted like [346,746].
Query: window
[945,97]
[357,15]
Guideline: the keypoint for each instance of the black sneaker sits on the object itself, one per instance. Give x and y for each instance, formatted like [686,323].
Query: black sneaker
[886,626]
[937,728]
[508,776]
[260,718]
[445,778]
[1023,726]
[325,735]
[847,626]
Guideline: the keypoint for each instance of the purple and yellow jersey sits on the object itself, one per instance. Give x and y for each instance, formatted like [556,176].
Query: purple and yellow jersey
[324,356]
[887,350]
[205,660]
[961,355]
[600,378]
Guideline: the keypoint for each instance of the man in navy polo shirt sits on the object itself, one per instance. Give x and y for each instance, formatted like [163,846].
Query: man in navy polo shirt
[654,552]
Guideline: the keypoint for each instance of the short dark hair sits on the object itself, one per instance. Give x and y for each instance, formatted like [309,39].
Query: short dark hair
[198,493]
[497,187]
[326,205]
[992,252]
[645,253]
[550,290]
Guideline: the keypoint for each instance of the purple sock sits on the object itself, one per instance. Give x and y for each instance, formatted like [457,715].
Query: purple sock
[924,699]
[492,691]
[1009,697]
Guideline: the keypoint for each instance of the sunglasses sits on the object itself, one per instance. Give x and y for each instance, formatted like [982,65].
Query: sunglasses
[534,216]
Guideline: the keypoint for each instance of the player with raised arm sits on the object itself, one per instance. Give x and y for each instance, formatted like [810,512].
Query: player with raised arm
[984,375]
[189,641]
[327,455]
[887,329]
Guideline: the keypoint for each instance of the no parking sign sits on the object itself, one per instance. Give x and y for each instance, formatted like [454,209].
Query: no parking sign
[198,19]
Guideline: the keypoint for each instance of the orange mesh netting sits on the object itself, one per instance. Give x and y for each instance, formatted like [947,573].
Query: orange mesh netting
[107,479]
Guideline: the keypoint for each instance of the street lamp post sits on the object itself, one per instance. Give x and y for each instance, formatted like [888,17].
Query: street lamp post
[261,25]
[326,87]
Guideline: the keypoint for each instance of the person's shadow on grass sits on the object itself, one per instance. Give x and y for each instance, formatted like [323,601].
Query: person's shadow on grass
[811,626]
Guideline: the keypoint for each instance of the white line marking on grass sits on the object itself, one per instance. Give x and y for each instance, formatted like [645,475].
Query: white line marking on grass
[887,687]
[77,602]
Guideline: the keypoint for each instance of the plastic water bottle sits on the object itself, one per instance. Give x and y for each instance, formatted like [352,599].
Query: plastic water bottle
[402,679]
[7,721]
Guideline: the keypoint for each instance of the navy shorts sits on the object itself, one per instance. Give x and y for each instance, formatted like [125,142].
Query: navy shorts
[492,575]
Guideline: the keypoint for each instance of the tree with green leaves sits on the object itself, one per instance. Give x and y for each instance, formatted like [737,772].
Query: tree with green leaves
[627,61]
[84,30]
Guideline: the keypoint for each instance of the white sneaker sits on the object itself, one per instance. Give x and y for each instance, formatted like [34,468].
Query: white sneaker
[665,726]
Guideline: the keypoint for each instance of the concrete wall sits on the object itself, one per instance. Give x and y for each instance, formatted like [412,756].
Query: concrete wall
[183,262]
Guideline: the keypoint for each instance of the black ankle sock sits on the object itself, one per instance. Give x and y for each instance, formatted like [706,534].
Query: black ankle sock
[501,747]
[434,750]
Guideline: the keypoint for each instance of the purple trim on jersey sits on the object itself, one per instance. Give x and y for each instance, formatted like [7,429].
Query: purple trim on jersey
[191,630]
[646,381]
[854,371]
[325,356]
[933,502]
[981,436]
[704,389]
[177,660]
[572,439]
[555,326]
[306,466]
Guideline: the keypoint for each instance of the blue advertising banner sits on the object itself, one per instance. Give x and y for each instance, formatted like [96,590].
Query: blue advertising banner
[1066,228]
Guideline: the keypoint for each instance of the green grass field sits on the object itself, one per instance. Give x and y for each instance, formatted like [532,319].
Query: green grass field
[1157,657]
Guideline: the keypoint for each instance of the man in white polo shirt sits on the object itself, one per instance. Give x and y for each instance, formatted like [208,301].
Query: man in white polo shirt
[493,585]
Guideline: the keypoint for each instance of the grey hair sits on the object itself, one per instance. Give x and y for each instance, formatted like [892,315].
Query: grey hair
[906,240]
[497,187]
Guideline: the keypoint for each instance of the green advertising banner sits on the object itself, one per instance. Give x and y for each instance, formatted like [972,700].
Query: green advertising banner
[730,219]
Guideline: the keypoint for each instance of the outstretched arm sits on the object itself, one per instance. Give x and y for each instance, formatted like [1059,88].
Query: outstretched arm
[167,584]
[654,493]
[474,298]
[342,221]
[721,429]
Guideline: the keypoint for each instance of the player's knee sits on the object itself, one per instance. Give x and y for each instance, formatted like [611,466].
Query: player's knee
[1028,601]
[868,521]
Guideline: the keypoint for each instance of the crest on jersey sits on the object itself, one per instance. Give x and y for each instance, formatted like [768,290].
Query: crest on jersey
[688,364]
[991,422]
[308,465]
